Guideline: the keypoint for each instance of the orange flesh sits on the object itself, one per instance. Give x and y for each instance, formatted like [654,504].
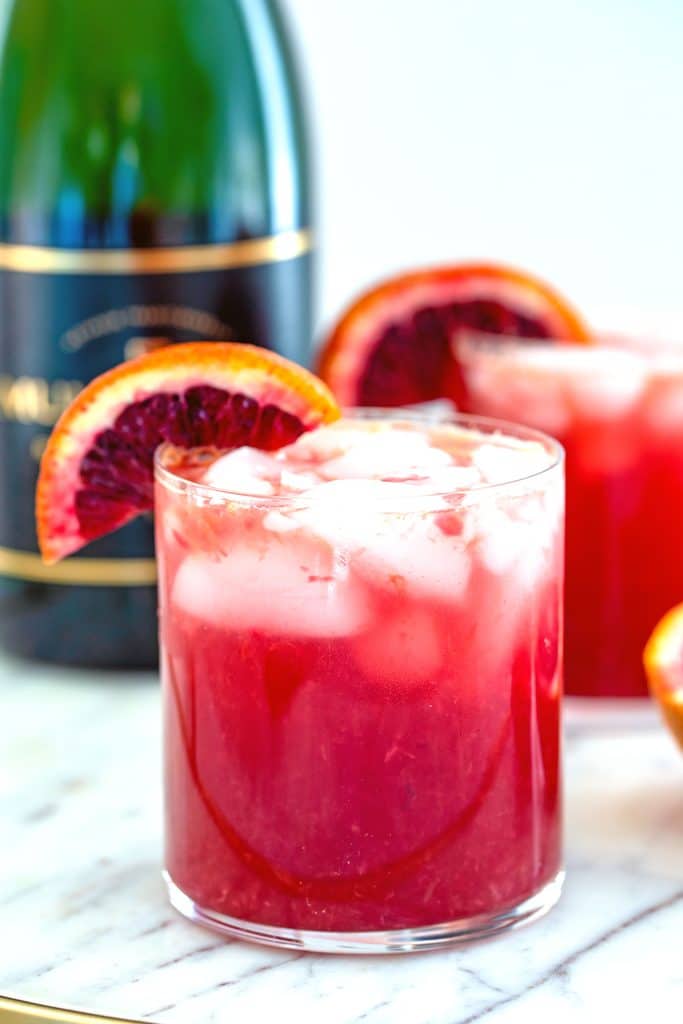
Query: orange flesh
[352,343]
[274,389]
[663,660]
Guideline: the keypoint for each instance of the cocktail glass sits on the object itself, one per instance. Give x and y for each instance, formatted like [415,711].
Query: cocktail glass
[362,682]
[617,408]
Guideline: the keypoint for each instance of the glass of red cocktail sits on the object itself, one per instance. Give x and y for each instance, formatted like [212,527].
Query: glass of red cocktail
[617,408]
[362,676]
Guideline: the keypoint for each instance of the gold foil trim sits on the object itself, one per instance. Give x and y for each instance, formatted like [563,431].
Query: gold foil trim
[91,572]
[18,1011]
[36,259]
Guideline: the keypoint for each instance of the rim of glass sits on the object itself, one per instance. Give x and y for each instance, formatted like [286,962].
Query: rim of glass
[611,352]
[488,425]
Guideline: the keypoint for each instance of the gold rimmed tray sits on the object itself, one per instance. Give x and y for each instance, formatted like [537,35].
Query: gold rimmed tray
[18,1011]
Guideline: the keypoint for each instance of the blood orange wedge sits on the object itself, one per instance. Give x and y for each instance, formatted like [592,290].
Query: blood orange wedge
[663,659]
[393,345]
[97,469]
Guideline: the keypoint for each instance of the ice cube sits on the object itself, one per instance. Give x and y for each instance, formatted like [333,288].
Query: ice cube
[593,380]
[512,540]
[391,454]
[281,585]
[320,445]
[388,532]
[366,450]
[664,407]
[500,464]
[518,381]
[344,513]
[413,553]
[350,513]
[244,471]
[539,403]
[297,482]
[606,383]
[403,649]
[502,546]
[279,522]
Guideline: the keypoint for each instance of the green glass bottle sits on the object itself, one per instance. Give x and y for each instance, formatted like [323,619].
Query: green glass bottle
[152,188]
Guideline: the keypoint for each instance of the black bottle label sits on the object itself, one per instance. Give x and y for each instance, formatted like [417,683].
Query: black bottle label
[68,315]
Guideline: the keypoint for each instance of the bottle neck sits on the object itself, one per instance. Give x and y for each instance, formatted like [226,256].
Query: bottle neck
[186,130]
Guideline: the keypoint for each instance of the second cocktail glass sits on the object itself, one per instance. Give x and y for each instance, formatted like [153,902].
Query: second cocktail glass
[617,408]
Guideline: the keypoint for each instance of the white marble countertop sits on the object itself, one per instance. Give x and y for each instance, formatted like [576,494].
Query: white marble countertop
[84,920]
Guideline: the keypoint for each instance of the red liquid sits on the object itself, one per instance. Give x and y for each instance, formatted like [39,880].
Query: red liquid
[624,552]
[624,471]
[401,776]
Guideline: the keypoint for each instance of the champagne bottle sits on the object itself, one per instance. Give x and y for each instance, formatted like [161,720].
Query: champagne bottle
[152,188]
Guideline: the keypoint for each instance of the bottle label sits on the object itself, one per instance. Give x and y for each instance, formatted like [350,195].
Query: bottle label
[68,315]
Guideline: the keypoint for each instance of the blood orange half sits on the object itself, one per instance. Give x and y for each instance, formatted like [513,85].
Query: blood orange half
[97,469]
[663,659]
[393,345]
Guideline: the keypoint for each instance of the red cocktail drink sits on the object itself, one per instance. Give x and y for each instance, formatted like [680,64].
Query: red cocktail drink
[618,412]
[362,673]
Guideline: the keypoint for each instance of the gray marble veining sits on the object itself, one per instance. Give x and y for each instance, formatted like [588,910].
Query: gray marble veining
[84,920]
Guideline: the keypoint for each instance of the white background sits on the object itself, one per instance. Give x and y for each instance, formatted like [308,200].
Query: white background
[547,133]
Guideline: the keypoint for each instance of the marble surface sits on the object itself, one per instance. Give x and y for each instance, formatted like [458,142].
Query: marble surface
[84,920]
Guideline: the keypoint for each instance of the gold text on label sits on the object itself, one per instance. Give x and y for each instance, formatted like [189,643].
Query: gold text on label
[34,399]
[161,318]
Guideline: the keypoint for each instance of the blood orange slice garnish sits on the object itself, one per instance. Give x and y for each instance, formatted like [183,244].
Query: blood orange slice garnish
[663,660]
[98,467]
[393,346]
